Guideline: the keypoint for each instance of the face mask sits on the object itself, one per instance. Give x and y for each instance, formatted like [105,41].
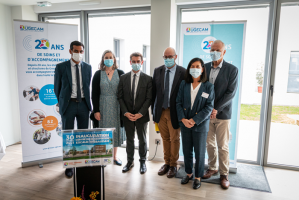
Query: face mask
[169,62]
[136,66]
[109,62]
[215,55]
[195,72]
[77,57]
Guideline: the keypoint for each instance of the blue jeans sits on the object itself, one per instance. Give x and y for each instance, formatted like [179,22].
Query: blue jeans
[197,141]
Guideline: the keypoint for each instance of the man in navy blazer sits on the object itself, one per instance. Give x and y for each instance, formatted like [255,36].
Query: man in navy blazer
[224,76]
[166,82]
[71,86]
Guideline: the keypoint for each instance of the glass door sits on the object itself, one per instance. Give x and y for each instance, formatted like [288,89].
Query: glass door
[283,123]
[252,74]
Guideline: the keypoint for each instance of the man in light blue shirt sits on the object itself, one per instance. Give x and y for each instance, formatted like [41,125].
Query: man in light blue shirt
[171,77]
[166,82]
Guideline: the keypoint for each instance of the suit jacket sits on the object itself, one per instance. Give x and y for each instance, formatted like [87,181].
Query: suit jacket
[202,107]
[96,92]
[143,97]
[63,83]
[225,87]
[158,93]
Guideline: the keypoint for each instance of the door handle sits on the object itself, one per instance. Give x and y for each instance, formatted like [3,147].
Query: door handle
[271,90]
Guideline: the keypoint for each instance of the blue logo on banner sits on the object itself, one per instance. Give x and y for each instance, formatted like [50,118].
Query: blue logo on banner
[26,43]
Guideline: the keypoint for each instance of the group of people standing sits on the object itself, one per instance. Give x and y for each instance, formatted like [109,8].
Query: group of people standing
[195,103]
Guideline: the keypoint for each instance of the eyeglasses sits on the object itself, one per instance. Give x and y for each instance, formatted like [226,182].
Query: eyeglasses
[165,57]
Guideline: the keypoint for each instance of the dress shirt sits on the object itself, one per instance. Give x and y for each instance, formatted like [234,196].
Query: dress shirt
[74,80]
[171,78]
[194,93]
[214,72]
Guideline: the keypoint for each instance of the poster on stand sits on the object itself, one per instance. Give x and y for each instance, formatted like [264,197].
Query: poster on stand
[196,40]
[87,147]
[39,47]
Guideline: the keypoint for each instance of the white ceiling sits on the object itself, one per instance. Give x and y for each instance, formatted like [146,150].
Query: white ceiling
[33,2]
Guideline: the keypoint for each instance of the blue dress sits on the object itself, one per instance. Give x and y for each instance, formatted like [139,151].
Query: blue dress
[110,108]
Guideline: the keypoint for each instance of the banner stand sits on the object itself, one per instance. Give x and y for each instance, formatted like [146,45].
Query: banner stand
[41,162]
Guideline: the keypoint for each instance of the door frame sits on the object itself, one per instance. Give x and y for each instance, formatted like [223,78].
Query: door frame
[268,58]
[272,80]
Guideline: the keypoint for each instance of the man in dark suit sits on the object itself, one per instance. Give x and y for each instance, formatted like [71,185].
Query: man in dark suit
[166,82]
[224,76]
[135,97]
[71,86]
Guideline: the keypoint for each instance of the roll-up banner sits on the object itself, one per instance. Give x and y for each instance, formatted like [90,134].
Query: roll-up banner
[196,40]
[39,47]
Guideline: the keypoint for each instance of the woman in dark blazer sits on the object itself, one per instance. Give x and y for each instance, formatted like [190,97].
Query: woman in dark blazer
[195,102]
[106,107]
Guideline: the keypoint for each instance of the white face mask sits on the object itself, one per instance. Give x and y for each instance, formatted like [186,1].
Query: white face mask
[78,57]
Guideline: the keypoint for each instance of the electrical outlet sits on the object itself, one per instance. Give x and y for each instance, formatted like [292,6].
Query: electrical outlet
[157,141]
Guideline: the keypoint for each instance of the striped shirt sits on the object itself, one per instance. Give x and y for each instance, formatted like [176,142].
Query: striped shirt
[214,72]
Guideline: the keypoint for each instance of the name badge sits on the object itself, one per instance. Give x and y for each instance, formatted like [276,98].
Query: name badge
[205,95]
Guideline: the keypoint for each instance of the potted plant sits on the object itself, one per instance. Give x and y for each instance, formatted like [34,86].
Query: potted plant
[260,78]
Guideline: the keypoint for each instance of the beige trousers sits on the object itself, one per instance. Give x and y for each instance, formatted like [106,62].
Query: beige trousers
[171,139]
[218,136]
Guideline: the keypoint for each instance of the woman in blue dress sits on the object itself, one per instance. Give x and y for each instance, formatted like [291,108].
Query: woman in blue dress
[104,99]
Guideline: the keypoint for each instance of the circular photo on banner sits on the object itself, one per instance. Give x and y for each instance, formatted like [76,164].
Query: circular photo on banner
[50,123]
[41,136]
[36,117]
[59,129]
[31,93]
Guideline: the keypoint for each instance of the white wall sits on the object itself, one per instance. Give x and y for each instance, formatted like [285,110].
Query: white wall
[10,112]
[9,118]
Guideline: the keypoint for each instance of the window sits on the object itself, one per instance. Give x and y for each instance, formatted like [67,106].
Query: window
[293,80]
[117,51]
[144,59]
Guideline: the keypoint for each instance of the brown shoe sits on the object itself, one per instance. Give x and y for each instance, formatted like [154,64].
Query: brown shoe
[209,173]
[172,172]
[224,181]
[163,170]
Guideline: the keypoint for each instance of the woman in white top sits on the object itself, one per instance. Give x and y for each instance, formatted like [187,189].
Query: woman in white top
[195,102]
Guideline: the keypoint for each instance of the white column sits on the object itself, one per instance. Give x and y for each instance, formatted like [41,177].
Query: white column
[163,35]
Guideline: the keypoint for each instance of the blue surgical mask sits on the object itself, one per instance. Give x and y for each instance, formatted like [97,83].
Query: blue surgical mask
[215,55]
[195,72]
[169,62]
[108,62]
[136,66]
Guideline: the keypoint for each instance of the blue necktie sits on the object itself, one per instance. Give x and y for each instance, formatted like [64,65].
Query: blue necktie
[166,91]
[79,99]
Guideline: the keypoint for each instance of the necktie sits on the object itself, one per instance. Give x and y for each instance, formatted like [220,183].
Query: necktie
[166,91]
[79,99]
[133,91]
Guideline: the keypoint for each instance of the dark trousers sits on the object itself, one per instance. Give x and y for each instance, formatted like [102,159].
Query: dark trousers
[197,141]
[130,128]
[76,110]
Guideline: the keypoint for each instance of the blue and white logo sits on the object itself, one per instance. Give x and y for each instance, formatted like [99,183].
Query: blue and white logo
[31,28]
[26,43]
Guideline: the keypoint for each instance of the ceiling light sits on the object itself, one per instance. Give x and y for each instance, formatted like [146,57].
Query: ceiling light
[88,3]
[44,4]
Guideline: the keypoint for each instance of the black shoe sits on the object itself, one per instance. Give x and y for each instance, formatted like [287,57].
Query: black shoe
[69,172]
[128,166]
[196,184]
[118,162]
[186,179]
[142,167]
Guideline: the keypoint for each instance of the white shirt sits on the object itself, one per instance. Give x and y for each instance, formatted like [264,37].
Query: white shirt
[136,82]
[74,80]
[194,93]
